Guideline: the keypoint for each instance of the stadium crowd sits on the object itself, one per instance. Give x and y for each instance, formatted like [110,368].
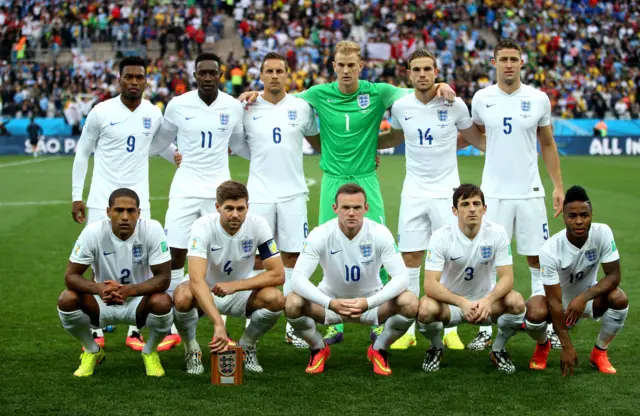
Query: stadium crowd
[585,54]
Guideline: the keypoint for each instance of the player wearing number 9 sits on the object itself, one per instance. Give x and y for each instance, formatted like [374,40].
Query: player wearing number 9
[351,250]
[458,282]
[132,266]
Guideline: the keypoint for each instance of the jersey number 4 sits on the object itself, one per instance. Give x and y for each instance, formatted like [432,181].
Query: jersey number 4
[227,268]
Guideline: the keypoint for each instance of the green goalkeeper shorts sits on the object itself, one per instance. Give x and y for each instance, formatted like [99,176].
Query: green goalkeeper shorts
[330,185]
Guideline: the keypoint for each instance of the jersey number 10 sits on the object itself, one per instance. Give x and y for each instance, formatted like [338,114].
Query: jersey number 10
[352,274]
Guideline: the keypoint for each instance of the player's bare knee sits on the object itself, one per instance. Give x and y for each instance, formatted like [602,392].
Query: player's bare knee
[617,299]
[183,298]
[412,259]
[537,310]
[427,310]
[515,303]
[293,306]
[159,303]
[272,298]
[68,301]
[408,303]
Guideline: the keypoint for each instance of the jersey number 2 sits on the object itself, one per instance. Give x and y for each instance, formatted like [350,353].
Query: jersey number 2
[124,276]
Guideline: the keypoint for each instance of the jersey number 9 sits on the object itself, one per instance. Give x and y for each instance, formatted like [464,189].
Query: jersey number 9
[131,144]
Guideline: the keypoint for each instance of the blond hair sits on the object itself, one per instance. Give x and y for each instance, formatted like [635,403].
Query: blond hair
[347,47]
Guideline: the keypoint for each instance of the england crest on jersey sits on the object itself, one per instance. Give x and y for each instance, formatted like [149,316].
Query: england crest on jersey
[293,114]
[443,115]
[146,123]
[525,106]
[137,253]
[364,101]
[247,245]
[366,250]
[591,254]
[224,119]
[486,252]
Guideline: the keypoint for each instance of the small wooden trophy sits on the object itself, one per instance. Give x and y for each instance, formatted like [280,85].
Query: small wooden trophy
[226,367]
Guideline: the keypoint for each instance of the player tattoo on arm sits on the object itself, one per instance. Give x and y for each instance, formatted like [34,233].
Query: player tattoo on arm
[390,139]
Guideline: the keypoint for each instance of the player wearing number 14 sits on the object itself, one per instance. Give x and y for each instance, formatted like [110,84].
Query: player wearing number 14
[132,266]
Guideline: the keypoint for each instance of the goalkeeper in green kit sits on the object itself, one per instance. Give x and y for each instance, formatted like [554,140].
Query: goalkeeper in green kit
[350,112]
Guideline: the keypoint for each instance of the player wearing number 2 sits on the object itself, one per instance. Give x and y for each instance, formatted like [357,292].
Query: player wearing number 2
[513,114]
[120,132]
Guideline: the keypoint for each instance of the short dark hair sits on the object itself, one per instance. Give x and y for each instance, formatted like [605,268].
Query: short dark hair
[351,189]
[231,191]
[422,53]
[208,56]
[274,55]
[132,61]
[506,44]
[123,192]
[466,191]
[576,193]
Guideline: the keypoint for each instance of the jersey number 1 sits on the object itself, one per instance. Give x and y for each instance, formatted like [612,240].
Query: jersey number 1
[346,116]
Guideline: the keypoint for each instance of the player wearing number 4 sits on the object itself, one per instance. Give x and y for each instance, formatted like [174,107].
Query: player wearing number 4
[206,122]
[351,250]
[569,264]
[132,266]
[429,126]
[513,114]
[222,249]
[120,132]
[458,282]
[275,128]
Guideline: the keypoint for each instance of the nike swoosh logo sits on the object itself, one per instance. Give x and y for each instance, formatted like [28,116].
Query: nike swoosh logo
[329,100]
[452,259]
[255,118]
[216,248]
[113,124]
[189,118]
[106,254]
[334,252]
[490,105]
[408,118]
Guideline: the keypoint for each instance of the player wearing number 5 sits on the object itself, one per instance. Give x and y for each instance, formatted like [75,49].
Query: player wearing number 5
[132,266]
[513,114]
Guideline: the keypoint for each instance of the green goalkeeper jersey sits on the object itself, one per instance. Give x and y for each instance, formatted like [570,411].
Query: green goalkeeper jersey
[349,124]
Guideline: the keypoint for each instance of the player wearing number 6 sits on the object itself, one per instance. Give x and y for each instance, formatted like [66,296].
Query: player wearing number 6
[132,266]
[513,114]
[458,282]
[351,250]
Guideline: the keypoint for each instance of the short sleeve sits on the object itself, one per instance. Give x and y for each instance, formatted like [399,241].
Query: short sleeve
[395,120]
[84,250]
[157,244]
[545,120]
[264,233]
[238,129]
[311,95]
[170,112]
[388,247]
[463,120]
[200,239]
[548,269]
[608,246]
[390,93]
[310,128]
[476,103]
[436,255]
[503,250]
[93,122]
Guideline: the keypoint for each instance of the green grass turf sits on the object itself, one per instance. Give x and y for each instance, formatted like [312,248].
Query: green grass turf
[37,357]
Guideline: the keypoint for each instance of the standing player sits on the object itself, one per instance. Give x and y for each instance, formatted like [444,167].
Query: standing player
[458,283]
[132,266]
[350,112]
[513,114]
[430,128]
[350,250]
[120,132]
[35,132]
[221,257]
[206,122]
[569,262]
[275,127]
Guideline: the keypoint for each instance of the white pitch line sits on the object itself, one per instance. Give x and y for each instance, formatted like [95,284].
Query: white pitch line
[26,162]
[310,182]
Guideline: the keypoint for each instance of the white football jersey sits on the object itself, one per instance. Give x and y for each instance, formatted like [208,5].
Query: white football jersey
[511,122]
[351,267]
[121,141]
[431,137]
[466,264]
[203,140]
[576,269]
[230,257]
[126,262]
[275,134]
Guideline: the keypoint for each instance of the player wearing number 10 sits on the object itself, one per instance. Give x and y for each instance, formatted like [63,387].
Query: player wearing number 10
[132,266]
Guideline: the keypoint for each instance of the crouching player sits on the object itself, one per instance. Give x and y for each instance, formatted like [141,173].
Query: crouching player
[132,266]
[569,263]
[458,284]
[221,256]
[351,250]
